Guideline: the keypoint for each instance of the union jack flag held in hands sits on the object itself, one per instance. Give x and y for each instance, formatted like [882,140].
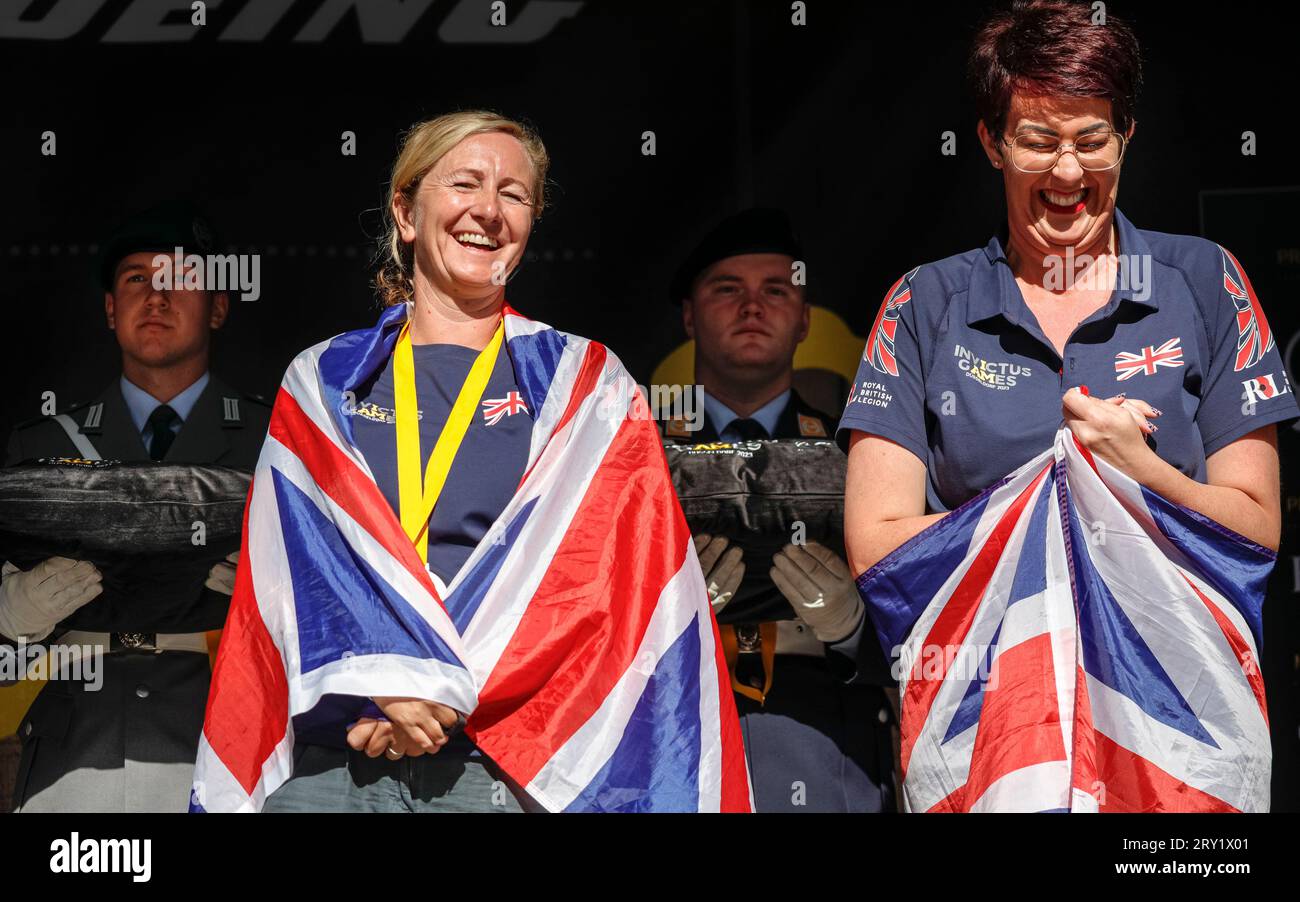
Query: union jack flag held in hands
[578,637]
[1068,640]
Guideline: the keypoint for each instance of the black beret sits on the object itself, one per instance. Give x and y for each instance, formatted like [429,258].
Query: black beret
[758,230]
[163,228]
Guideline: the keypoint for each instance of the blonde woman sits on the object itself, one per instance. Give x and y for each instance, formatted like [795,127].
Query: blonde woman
[466,580]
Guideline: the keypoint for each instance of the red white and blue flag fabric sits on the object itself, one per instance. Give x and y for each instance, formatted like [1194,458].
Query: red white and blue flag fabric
[1070,641]
[578,636]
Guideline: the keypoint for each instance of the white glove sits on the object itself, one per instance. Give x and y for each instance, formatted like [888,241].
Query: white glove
[33,601]
[722,572]
[819,587]
[221,578]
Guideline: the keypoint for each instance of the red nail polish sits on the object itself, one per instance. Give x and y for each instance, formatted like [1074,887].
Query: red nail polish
[1083,388]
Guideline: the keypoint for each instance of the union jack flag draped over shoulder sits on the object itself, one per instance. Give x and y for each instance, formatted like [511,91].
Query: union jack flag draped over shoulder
[1070,641]
[578,636]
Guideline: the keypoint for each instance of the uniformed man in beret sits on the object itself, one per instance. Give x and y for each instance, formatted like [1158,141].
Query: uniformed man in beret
[817,731]
[131,745]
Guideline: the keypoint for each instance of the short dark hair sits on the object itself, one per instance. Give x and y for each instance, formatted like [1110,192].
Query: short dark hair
[1046,48]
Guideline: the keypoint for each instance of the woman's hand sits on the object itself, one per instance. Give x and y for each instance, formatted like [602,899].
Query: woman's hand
[1114,429]
[417,726]
[1241,491]
[374,737]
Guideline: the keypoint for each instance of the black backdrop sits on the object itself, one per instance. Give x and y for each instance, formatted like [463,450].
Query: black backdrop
[839,121]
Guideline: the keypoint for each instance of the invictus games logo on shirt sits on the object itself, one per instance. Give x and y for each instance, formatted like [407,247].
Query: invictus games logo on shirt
[989,373]
[376,413]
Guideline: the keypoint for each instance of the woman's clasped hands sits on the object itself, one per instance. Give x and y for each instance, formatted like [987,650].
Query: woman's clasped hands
[1115,429]
[413,727]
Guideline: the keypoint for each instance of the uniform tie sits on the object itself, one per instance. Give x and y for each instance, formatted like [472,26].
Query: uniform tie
[161,422]
[749,430]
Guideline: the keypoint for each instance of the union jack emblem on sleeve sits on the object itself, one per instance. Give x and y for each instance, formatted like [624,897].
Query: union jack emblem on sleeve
[585,657]
[1254,337]
[880,342]
[1068,640]
[1149,360]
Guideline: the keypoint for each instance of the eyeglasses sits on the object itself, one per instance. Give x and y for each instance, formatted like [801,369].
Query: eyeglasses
[1095,151]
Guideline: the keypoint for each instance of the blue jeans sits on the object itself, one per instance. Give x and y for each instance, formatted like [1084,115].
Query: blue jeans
[341,779]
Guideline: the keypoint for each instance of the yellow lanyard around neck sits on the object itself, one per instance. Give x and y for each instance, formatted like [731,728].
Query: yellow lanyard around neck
[417,498]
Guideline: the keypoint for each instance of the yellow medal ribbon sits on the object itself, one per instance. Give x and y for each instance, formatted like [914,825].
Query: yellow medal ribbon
[417,497]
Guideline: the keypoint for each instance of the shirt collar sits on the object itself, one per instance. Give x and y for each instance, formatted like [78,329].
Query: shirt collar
[141,404]
[1134,250]
[993,288]
[721,416]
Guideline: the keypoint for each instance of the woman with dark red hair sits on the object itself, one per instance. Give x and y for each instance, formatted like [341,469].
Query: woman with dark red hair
[1152,348]
[975,359]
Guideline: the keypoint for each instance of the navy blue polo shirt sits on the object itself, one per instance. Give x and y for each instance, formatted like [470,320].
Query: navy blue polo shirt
[957,370]
[491,460]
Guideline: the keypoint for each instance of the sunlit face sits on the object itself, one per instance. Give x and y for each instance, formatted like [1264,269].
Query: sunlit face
[472,216]
[1066,206]
[745,313]
[160,327]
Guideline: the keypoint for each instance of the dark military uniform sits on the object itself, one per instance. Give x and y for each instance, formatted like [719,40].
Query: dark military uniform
[797,420]
[821,738]
[131,745]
